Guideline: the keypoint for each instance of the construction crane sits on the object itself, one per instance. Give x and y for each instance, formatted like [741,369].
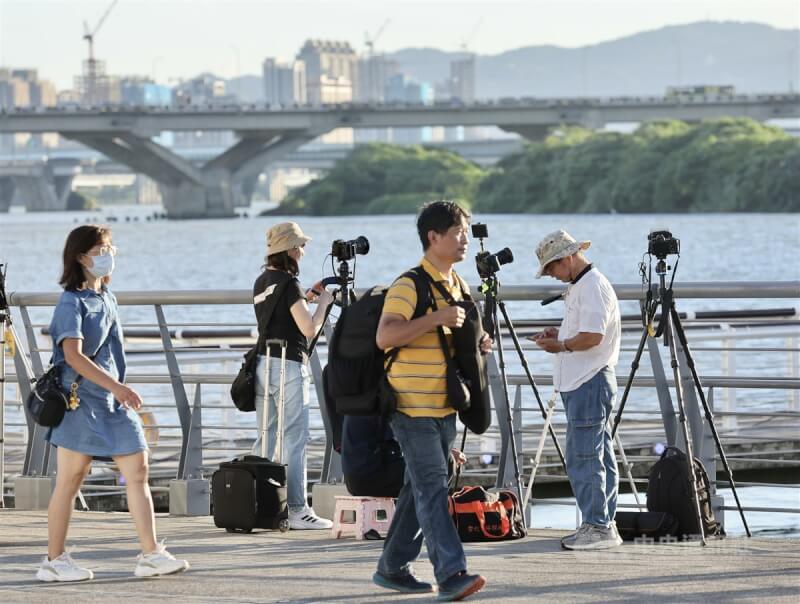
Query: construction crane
[370,41]
[465,41]
[90,70]
[89,35]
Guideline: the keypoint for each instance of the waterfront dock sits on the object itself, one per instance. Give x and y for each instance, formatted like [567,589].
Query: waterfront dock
[309,566]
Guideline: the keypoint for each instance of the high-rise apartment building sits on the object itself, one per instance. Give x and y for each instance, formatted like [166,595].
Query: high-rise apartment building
[284,83]
[462,78]
[373,73]
[331,69]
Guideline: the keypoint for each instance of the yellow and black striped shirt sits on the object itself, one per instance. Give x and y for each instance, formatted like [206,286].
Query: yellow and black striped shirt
[418,372]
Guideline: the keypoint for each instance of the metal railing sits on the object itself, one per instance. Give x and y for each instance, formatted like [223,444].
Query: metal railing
[182,437]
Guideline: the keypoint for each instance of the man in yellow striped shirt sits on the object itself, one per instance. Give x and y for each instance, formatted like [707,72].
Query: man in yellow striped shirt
[425,423]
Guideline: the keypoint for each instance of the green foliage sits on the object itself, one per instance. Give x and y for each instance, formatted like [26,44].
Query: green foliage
[387,178]
[77,202]
[728,165]
[725,165]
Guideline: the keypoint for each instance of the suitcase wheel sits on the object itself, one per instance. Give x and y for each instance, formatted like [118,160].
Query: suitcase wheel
[233,530]
[283,525]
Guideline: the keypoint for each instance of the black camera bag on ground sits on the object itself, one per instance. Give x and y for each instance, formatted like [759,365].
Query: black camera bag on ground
[249,492]
[669,490]
[356,366]
[648,525]
[483,516]
[243,387]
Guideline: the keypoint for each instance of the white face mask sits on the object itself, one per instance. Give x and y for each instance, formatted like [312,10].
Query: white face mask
[102,266]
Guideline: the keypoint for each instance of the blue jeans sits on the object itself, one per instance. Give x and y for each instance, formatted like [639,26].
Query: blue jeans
[426,443]
[295,423]
[591,464]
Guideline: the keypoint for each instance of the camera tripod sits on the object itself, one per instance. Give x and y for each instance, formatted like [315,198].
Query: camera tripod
[489,288]
[669,326]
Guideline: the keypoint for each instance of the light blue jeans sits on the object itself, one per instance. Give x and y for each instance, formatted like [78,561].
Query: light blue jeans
[591,464]
[422,503]
[295,423]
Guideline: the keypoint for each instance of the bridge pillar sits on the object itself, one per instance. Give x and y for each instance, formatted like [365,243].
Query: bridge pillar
[7,188]
[211,191]
[38,194]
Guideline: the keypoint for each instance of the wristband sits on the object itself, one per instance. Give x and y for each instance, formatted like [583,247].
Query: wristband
[565,347]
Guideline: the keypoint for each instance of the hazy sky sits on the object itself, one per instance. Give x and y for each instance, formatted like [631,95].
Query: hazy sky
[166,39]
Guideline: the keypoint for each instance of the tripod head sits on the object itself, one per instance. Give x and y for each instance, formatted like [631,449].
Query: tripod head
[660,244]
[488,265]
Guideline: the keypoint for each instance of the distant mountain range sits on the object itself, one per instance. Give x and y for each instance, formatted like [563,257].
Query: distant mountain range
[751,56]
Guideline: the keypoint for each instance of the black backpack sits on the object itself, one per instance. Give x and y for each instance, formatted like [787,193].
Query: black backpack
[355,370]
[669,490]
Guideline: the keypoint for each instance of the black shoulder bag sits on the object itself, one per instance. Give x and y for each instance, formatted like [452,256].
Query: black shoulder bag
[243,388]
[47,403]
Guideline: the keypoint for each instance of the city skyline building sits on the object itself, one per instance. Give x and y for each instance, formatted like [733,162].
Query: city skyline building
[331,68]
[284,83]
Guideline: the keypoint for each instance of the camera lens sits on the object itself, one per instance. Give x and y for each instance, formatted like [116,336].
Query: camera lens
[504,256]
[361,245]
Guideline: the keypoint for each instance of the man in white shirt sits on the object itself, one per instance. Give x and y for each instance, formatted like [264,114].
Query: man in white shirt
[586,349]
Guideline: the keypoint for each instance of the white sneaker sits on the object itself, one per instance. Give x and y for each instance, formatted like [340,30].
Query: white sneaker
[159,562]
[307,519]
[62,568]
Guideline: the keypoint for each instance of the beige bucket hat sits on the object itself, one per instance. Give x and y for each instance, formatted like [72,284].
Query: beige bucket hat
[558,244]
[284,236]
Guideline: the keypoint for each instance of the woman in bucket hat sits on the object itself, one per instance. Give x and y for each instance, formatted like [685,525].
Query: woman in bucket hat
[586,349]
[291,320]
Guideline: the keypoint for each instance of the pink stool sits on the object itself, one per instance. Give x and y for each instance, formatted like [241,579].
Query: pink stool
[368,513]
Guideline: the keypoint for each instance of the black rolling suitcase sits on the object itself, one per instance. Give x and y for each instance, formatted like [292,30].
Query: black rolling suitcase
[250,491]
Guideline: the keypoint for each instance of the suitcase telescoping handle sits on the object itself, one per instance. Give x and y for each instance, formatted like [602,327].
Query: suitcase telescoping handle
[278,457]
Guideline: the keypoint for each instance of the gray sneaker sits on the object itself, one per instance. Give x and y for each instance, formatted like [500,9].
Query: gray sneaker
[595,537]
[569,539]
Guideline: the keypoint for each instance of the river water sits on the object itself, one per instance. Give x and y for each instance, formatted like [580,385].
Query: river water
[228,254]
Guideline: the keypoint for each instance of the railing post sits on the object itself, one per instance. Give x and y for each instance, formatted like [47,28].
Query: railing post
[189,494]
[729,421]
[662,391]
[176,379]
[37,449]
[709,459]
[332,461]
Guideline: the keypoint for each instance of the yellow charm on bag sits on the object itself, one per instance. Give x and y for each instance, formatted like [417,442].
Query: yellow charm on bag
[74,401]
[10,346]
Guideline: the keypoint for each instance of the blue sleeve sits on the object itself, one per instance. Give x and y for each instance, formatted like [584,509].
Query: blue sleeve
[67,319]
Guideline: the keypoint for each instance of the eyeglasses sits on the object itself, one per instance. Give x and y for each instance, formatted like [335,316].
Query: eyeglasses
[102,250]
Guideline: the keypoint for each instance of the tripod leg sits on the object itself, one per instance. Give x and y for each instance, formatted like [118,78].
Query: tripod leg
[708,414]
[510,412]
[531,381]
[684,425]
[551,406]
[627,467]
[629,383]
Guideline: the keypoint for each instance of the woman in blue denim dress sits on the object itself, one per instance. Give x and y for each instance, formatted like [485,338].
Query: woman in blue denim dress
[88,348]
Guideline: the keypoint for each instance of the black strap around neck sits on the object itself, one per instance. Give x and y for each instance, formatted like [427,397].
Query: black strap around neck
[582,273]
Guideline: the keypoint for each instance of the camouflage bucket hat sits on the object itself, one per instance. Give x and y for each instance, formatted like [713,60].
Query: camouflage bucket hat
[558,244]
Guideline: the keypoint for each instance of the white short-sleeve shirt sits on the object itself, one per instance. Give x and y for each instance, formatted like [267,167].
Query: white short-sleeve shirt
[590,306]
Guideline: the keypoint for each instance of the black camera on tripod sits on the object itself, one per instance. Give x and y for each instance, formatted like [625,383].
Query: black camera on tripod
[662,244]
[346,250]
[487,263]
